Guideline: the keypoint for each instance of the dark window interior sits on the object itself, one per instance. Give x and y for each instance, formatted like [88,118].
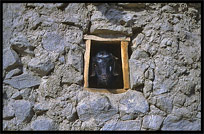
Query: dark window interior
[115,49]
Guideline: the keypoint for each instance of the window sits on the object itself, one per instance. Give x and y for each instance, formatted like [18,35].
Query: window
[116,46]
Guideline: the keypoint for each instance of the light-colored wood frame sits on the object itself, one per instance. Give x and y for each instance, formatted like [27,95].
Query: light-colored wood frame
[124,58]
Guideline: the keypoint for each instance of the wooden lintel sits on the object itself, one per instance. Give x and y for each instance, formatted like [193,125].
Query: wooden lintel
[86,61]
[125,64]
[96,38]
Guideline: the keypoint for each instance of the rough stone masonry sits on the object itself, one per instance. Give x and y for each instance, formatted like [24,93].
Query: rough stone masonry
[43,51]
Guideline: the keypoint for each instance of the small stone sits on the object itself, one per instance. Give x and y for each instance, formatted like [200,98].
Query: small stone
[137,70]
[42,66]
[25,93]
[11,59]
[138,40]
[75,58]
[147,88]
[40,108]
[152,122]
[14,72]
[122,125]
[23,81]
[23,110]
[139,54]
[53,42]
[71,76]
[8,112]
[90,125]
[165,103]
[173,123]
[21,45]
[43,124]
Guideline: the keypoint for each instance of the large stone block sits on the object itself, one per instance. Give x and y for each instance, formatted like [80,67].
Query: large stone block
[23,81]
[133,103]
[97,107]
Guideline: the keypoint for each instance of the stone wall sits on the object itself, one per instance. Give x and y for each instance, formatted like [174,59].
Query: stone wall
[43,51]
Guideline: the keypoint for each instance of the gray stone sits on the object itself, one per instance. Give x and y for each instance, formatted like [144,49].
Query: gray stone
[147,90]
[137,70]
[152,122]
[40,108]
[13,72]
[65,125]
[43,124]
[23,110]
[53,42]
[8,112]
[23,81]
[133,102]
[156,111]
[25,93]
[97,107]
[71,76]
[42,66]
[90,125]
[182,112]
[110,21]
[173,123]
[164,103]
[73,35]
[76,125]
[149,74]
[69,112]
[76,14]
[10,59]
[166,26]
[138,40]
[139,54]
[179,99]
[122,125]
[187,87]
[51,87]
[21,45]
[75,58]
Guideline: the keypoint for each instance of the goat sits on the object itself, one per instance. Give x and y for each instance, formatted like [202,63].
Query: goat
[104,69]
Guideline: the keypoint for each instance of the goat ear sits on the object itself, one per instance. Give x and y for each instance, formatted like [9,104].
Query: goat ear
[93,68]
[115,67]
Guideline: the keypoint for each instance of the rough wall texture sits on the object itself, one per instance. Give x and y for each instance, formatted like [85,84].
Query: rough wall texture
[43,50]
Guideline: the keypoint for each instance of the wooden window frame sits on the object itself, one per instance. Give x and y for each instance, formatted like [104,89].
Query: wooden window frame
[124,59]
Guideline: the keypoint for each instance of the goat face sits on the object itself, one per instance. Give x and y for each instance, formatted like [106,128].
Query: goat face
[104,68]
